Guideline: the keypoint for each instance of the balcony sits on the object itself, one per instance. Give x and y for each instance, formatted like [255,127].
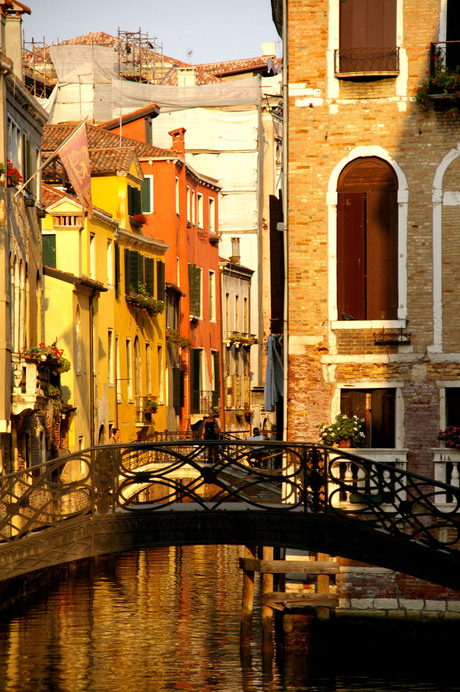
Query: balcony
[444,77]
[31,382]
[447,470]
[366,62]
[202,401]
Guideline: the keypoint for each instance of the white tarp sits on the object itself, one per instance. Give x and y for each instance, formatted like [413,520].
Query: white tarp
[241,92]
[209,130]
[233,169]
[84,64]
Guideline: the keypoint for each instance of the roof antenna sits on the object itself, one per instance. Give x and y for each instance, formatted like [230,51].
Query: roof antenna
[189,53]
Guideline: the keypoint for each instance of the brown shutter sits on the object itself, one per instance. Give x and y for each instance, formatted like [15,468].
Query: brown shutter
[366,27]
[382,255]
[351,256]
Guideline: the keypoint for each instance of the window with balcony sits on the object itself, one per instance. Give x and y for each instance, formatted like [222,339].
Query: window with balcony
[367,39]
[367,241]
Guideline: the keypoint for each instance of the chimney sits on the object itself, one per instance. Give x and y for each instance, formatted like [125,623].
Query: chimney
[178,141]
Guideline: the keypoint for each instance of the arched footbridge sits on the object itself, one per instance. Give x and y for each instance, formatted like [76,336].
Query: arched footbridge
[111,499]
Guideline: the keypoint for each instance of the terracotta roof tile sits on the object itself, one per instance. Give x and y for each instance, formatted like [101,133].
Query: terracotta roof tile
[100,141]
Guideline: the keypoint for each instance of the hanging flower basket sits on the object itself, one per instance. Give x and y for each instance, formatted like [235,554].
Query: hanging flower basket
[173,337]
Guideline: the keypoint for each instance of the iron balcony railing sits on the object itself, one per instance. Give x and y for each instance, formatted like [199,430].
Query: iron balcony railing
[366,62]
[445,68]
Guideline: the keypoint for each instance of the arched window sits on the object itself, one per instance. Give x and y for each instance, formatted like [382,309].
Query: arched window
[367,241]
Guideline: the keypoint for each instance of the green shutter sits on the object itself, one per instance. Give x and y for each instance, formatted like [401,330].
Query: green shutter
[49,249]
[149,275]
[134,270]
[161,293]
[146,196]
[194,277]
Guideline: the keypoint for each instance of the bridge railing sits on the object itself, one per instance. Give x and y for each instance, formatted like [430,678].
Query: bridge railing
[299,477]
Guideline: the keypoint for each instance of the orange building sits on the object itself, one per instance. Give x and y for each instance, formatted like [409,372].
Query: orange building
[181,208]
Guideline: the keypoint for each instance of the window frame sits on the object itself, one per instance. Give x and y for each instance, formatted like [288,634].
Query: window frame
[403,204]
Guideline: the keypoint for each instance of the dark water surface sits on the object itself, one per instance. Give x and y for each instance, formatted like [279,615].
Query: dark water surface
[169,618]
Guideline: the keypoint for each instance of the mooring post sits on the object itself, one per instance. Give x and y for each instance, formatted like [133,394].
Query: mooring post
[267,611]
[248,600]
[323,587]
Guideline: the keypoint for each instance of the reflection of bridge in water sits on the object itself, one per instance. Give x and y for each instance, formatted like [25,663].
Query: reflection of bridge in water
[111,499]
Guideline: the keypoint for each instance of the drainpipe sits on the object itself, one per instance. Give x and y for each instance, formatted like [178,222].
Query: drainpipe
[285,220]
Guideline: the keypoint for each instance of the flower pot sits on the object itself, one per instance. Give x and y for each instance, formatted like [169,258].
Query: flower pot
[344,443]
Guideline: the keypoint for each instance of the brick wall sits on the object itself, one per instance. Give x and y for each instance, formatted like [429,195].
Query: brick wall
[328,119]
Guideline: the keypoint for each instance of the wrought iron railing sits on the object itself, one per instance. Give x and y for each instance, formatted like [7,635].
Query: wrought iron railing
[155,476]
[366,61]
[444,68]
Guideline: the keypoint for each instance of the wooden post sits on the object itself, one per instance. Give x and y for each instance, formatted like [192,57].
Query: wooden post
[267,611]
[248,601]
[323,587]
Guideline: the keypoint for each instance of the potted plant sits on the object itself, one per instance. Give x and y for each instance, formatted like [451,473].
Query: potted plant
[450,436]
[13,177]
[441,83]
[142,299]
[343,432]
[214,239]
[48,355]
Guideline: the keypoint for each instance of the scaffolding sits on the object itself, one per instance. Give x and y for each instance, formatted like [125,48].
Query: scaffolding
[39,73]
[140,57]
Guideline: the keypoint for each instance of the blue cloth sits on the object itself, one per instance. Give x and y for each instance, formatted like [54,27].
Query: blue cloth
[274,375]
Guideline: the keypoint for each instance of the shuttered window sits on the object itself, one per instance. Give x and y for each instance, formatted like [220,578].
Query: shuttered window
[161,290]
[194,279]
[195,373]
[367,241]
[117,271]
[134,201]
[149,272]
[49,249]
[216,383]
[368,36]
[178,388]
[134,270]
[377,407]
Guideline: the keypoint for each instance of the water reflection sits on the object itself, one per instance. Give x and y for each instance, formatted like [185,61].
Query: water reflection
[168,619]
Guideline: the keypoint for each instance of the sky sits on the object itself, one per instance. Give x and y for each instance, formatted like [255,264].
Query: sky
[195,31]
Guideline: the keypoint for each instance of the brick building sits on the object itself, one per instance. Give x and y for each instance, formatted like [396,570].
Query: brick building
[372,220]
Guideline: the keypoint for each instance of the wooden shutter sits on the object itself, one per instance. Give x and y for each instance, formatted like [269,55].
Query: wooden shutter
[195,359]
[161,291]
[49,249]
[367,241]
[117,270]
[127,271]
[176,388]
[146,195]
[149,272]
[216,390]
[194,289]
[351,259]
[382,255]
[366,28]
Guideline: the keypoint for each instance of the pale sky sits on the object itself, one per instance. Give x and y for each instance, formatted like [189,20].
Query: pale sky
[213,30]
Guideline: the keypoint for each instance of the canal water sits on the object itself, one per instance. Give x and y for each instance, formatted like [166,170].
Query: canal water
[168,619]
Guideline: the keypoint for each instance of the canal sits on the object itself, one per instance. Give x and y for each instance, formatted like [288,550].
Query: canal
[168,619]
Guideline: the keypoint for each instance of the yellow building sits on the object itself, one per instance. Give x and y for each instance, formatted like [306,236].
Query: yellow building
[114,317]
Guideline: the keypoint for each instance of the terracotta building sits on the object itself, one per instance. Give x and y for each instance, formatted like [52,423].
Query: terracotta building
[371,216]
[181,208]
